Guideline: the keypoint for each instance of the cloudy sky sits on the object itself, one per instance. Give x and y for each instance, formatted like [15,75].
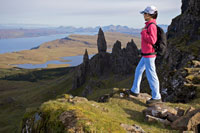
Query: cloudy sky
[85,13]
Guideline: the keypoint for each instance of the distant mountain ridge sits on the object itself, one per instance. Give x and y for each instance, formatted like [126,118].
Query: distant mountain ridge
[6,32]
[110,28]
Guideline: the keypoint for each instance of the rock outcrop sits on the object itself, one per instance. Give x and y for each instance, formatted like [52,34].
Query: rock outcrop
[101,42]
[132,128]
[189,122]
[81,72]
[101,65]
[183,49]
[176,118]
[124,60]
[86,59]
[186,26]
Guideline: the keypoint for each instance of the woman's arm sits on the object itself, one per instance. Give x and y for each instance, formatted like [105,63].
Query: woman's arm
[150,34]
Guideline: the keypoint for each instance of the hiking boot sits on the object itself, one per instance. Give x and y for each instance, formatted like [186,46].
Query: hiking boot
[152,101]
[132,94]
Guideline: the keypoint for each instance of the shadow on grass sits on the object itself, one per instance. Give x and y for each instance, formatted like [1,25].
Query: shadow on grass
[136,101]
[135,115]
[33,75]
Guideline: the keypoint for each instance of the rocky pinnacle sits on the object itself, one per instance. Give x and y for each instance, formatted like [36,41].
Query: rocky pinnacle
[101,42]
[85,57]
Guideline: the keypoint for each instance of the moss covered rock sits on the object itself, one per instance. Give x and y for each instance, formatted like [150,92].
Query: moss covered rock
[77,114]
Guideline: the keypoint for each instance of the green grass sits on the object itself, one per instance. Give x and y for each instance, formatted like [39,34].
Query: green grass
[102,117]
[34,75]
[12,71]
[181,43]
[26,94]
[107,84]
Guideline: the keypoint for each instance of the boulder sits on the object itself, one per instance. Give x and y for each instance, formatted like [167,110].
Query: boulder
[160,111]
[144,96]
[189,110]
[188,132]
[69,119]
[172,117]
[190,121]
[195,63]
[79,99]
[180,111]
[132,128]
[150,118]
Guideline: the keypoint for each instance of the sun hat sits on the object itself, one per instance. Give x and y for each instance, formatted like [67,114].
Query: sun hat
[149,10]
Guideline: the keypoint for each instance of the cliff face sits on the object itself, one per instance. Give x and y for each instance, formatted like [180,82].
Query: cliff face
[183,55]
[187,24]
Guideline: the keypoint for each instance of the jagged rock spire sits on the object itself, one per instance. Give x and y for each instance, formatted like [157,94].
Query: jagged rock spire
[116,48]
[131,45]
[81,72]
[86,57]
[101,42]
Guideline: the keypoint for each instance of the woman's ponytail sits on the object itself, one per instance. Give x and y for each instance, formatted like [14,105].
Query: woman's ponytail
[155,15]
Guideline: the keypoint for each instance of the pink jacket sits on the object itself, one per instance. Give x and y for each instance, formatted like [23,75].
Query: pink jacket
[149,37]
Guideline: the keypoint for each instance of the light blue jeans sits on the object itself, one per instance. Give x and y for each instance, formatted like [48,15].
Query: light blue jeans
[147,64]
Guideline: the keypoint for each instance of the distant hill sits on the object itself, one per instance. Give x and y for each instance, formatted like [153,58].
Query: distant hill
[21,33]
[76,40]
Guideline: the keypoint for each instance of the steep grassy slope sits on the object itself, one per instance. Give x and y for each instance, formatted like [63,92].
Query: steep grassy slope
[22,91]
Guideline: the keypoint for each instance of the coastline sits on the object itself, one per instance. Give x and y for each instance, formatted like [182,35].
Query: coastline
[56,49]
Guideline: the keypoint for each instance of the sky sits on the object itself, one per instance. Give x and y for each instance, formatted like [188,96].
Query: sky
[85,13]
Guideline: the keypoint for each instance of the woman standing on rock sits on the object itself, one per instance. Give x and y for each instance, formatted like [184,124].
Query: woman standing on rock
[147,62]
